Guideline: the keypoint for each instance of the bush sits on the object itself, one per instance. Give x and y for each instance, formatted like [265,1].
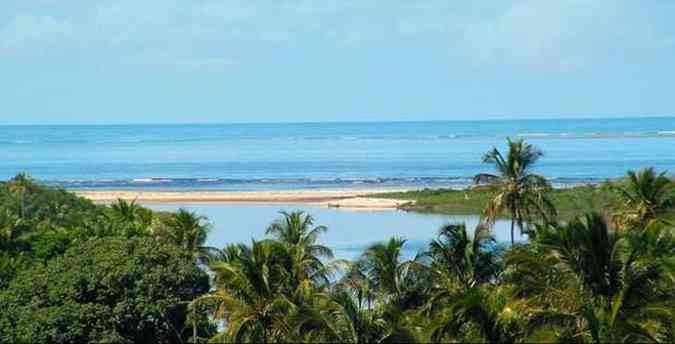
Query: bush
[104,290]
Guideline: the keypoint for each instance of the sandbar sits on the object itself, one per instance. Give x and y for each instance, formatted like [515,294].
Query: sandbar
[350,199]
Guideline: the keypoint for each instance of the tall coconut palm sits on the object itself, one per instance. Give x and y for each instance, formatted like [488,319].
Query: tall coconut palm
[519,192]
[606,286]
[189,231]
[645,196]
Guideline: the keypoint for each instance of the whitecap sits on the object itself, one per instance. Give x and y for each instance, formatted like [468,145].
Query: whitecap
[535,135]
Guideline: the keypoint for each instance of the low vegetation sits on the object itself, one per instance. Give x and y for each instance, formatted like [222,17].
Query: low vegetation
[569,202]
[598,267]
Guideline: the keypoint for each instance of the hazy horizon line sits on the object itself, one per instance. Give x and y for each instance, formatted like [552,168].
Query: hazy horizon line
[341,122]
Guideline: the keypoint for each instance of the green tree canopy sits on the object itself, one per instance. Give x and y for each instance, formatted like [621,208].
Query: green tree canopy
[104,290]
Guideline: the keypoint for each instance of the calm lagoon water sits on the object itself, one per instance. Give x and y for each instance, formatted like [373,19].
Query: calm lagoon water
[349,232]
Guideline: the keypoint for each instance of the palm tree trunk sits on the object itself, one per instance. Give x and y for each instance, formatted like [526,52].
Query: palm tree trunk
[23,205]
[194,324]
[513,222]
[513,225]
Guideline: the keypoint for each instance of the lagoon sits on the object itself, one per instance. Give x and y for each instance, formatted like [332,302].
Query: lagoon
[349,231]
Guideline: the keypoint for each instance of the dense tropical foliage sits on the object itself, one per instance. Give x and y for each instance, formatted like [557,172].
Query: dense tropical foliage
[104,290]
[74,271]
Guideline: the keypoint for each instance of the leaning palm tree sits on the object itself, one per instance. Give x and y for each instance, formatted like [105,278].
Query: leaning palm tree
[645,196]
[520,193]
[595,284]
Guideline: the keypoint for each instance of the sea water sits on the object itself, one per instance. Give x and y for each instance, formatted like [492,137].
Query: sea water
[240,157]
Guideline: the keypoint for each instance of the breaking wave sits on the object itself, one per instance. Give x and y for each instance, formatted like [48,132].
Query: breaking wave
[300,183]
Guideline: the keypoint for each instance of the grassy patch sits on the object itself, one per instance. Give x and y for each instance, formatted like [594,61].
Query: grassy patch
[569,202]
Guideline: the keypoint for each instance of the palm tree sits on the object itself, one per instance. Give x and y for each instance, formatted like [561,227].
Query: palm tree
[360,322]
[296,231]
[606,286]
[344,316]
[645,196]
[457,257]
[382,264]
[189,231]
[126,211]
[519,191]
[252,284]
[378,293]
[13,232]
[463,306]
[266,292]
[133,217]
[478,315]
[20,184]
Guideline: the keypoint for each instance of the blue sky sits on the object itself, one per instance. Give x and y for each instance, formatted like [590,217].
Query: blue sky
[177,61]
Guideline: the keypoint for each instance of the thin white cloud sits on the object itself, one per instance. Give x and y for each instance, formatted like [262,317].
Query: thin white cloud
[565,35]
[541,34]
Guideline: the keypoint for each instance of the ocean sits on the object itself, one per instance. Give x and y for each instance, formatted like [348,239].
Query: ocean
[242,157]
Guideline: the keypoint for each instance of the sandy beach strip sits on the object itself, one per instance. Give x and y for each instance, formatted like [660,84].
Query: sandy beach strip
[354,199]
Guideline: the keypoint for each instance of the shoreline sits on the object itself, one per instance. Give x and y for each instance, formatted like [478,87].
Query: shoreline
[348,199]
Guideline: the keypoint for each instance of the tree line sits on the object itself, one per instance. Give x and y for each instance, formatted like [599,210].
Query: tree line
[74,271]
